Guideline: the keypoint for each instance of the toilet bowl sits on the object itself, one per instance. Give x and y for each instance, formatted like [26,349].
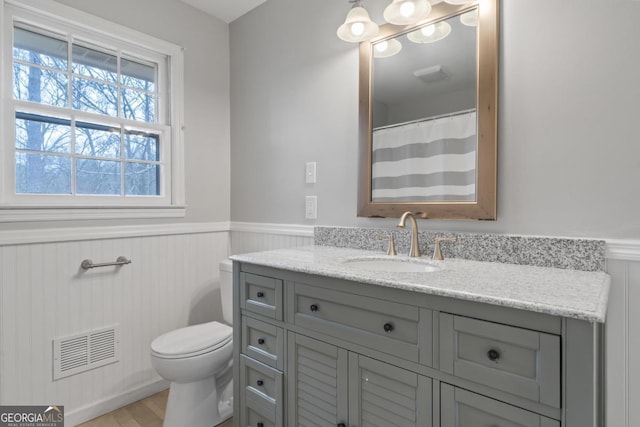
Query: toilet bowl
[197,361]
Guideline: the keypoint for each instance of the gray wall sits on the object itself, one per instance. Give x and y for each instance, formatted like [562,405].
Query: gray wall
[569,156]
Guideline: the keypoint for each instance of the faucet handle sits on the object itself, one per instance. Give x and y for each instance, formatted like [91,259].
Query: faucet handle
[437,253]
[392,245]
[391,250]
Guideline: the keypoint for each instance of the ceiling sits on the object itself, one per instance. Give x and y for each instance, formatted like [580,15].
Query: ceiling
[226,10]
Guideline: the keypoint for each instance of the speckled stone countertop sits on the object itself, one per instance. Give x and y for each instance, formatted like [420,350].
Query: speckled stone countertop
[559,292]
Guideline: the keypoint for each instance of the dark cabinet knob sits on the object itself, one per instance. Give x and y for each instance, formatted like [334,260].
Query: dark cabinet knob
[260,382]
[342,425]
[260,424]
[493,355]
[260,294]
[260,341]
[388,327]
[313,308]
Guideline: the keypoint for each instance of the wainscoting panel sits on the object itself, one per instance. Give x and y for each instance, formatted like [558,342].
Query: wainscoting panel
[623,335]
[249,237]
[173,281]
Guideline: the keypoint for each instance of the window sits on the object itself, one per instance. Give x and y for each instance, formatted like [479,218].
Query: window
[93,114]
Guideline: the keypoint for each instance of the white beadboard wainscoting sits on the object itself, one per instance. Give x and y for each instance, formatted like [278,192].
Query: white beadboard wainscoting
[252,237]
[623,335]
[172,281]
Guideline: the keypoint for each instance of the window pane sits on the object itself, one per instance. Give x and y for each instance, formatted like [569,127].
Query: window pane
[141,146]
[95,97]
[141,179]
[95,64]
[97,140]
[43,174]
[97,177]
[40,133]
[138,76]
[38,49]
[39,85]
[138,105]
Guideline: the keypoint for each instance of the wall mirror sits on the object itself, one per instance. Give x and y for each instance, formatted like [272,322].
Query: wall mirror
[428,115]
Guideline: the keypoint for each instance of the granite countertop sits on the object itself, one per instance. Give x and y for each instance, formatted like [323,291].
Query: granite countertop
[559,292]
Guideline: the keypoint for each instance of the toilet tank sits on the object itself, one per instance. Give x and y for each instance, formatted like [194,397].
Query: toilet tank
[226,290]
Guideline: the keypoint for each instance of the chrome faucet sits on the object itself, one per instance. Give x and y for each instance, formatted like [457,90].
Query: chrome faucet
[415,246]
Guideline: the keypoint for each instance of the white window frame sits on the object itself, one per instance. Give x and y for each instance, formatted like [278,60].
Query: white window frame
[60,19]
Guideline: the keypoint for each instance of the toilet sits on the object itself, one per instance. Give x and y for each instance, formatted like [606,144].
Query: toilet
[197,361]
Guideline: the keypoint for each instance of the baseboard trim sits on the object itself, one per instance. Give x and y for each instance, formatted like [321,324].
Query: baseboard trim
[112,403]
[71,234]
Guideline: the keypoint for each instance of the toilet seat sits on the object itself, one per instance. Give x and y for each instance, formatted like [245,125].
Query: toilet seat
[192,340]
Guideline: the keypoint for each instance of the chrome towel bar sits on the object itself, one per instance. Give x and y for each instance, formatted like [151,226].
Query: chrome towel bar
[86,264]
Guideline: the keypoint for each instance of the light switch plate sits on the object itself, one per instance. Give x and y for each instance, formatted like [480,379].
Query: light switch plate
[310,173]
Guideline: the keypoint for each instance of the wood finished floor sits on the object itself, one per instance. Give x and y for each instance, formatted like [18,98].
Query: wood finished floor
[147,412]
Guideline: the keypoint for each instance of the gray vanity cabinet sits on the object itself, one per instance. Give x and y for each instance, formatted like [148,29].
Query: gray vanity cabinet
[318,351]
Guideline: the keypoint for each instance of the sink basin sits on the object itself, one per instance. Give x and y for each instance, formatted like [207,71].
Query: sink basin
[400,265]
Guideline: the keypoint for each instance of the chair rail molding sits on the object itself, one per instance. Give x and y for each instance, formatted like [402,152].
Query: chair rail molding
[69,234]
[628,250]
[267,228]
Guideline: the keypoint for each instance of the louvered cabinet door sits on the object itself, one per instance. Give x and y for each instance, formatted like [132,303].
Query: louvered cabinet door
[317,383]
[383,395]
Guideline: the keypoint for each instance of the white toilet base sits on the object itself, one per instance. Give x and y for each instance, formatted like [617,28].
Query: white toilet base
[195,404]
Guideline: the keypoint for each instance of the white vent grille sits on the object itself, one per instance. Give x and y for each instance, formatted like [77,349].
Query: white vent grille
[82,352]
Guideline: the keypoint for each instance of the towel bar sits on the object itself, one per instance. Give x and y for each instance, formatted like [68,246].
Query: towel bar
[87,263]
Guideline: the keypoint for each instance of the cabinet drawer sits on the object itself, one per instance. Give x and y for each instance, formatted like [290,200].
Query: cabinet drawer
[385,326]
[263,342]
[260,379]
[462,408]
[261,295]
[256,419]
[519,361]
[262,392]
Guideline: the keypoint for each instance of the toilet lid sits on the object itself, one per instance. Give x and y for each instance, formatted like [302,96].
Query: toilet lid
[192,340]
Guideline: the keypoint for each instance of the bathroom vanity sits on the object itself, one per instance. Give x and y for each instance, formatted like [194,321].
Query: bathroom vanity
[341,337]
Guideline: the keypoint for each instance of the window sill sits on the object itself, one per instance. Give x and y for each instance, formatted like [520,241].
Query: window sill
[52,213]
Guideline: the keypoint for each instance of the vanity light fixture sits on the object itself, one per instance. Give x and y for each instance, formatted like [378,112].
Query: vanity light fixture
[458,1]
[406,12]
[386,48]
[357,26]
[470,19]
[430,33]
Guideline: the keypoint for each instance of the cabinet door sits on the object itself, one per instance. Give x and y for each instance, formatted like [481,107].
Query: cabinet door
[383,395]
[462,408]
[317,383]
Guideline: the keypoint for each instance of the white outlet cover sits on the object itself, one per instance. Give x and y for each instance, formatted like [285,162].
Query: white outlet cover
[311,207]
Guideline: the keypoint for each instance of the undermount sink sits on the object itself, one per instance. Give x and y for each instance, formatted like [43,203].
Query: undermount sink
[400,265]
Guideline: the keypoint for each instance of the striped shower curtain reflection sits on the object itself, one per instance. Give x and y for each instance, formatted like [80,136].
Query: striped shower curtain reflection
[433,159]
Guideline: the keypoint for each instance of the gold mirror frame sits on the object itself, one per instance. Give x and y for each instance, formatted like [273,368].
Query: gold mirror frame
[484,207]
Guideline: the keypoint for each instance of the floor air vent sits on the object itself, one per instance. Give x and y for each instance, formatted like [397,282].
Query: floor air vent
[82,352]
